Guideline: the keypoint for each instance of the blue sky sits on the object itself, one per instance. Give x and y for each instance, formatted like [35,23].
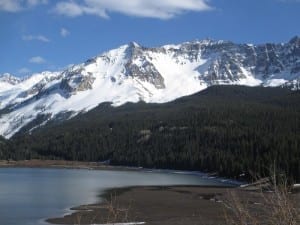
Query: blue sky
[38,35]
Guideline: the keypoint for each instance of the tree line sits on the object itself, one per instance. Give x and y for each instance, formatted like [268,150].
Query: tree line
[230,130]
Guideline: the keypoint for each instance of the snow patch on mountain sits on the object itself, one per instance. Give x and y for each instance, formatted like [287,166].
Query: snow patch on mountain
[133,73]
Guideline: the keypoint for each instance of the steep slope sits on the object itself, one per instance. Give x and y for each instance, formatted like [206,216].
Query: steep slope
[135,73]
[226,129]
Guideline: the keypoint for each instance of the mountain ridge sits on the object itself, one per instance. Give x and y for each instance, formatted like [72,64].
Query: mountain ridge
[133,73]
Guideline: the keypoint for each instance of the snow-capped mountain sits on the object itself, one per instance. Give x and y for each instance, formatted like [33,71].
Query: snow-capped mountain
[7,81]
[133,73]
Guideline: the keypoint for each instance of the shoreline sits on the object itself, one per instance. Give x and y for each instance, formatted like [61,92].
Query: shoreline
[100,212]
[149,204]
[64,164]
[154,205]
[162,205]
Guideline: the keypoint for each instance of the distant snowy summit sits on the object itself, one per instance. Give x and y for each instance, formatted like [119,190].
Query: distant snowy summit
[7,81]
[133,73]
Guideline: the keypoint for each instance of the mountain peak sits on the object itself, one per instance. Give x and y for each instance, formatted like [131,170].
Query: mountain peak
[134,44]
[210,41]
[295,40]
[5,75]
[133,73]
[10,79]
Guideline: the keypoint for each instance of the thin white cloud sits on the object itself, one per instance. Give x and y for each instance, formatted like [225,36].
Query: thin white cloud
[64,32]
[160,9]
[36,2]
[41,38]
[19,5]
[24,70]
[10,5]
[37,60]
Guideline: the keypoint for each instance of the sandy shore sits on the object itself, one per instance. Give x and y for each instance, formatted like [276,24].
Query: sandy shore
[153,205]
[178,205]
[175,205]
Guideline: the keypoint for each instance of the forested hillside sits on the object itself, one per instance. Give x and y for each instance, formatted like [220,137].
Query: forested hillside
[4,149]
[225,129]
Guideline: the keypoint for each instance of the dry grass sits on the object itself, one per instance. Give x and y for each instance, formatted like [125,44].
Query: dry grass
[110,212]
[274,206]
[116,213]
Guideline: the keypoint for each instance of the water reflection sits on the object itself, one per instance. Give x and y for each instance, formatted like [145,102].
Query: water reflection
[27,196]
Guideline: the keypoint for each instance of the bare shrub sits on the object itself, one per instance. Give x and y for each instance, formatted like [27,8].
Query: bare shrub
[116,213]
[274,205]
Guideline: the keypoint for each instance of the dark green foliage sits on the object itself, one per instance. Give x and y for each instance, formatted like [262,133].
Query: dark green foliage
[225,129]
[5,151]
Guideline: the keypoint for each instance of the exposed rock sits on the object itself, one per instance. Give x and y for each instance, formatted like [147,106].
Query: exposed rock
[75,81]
[144,70]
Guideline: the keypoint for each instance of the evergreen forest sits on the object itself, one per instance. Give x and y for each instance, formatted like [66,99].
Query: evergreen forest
[227,130]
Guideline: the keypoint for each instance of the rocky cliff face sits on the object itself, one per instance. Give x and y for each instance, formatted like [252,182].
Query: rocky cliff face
[76,81]
[133,73]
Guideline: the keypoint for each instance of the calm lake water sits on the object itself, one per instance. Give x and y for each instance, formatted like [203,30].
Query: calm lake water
[29,196]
